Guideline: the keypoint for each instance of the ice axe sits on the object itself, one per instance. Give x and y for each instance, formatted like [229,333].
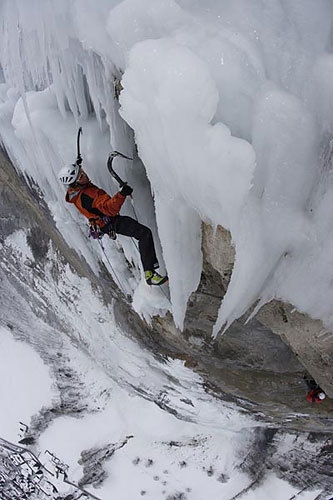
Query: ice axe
[79,157]
[114,174]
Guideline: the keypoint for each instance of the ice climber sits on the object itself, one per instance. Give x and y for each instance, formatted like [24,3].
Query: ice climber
[102,210]
[315,393]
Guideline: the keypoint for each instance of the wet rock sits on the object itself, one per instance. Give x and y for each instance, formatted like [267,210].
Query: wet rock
[308,338]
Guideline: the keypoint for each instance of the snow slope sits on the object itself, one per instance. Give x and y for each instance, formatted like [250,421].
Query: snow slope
[154,454]
[104,406]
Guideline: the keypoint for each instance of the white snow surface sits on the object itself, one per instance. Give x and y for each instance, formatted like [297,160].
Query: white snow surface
[231,107]
[27,384]
[156,455]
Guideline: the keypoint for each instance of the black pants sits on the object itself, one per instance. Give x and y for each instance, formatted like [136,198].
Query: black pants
[127,226]
[312,384]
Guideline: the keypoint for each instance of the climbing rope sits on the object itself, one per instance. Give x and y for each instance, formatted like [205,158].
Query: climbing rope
[114,274]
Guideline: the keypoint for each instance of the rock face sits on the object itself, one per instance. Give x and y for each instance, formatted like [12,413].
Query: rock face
[308,338]
[249,365]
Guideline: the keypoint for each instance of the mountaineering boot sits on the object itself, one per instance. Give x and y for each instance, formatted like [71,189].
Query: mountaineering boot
[153,278]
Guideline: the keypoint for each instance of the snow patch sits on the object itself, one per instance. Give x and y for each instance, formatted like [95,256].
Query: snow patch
[25,386]
[18,241]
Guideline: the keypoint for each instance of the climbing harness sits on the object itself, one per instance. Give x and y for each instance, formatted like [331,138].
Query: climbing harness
[96,232]
[110,227]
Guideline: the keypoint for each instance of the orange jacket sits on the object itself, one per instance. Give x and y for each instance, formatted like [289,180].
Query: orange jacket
[94,203]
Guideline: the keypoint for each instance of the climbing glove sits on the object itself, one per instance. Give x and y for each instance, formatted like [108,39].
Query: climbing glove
[126,190]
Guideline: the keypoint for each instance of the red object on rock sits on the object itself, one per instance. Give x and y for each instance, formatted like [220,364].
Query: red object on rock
[315,396]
